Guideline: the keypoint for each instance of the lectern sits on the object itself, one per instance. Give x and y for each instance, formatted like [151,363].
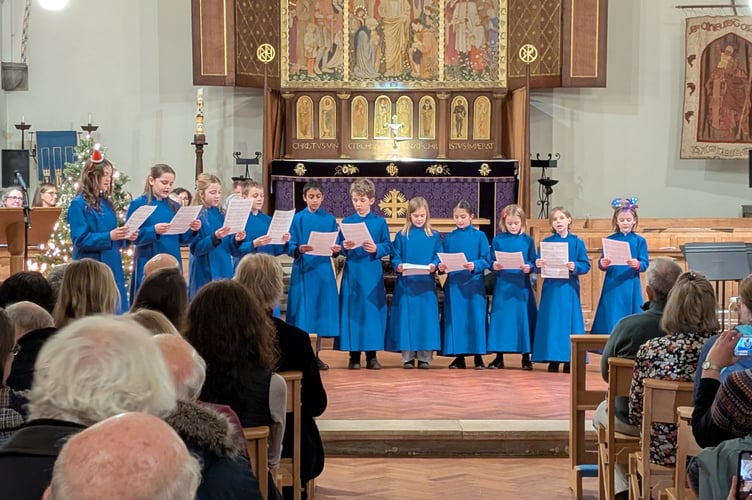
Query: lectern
[719,262]
[12,231]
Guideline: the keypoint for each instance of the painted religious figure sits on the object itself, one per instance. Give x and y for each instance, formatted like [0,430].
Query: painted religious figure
[423,54]
[395,16]
[725,97]
[458,122]
[469,25]
[304,118]
[482,118]
[316,47]
[359,118]
[427,115]
[405,117]
[381,117]
[327,118]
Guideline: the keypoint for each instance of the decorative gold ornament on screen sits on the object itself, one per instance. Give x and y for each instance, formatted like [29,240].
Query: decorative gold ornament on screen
[394,204]
[482,118]
[382,112]
[458,119]
[304,118]
[327,118]
[359,118]
[427,118]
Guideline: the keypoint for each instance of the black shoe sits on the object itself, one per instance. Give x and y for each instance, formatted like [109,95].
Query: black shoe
[553,367]
[353,365]
[373,364]
[423,365]
[566,368]
[479,362]
[459,362]
[408,365]
[321,364]
[498,362]
[527,366]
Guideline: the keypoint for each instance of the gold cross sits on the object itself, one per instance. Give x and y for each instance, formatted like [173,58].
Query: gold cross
[394,204]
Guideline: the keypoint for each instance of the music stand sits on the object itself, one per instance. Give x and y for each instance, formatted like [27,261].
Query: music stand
[718,262]
[246,162]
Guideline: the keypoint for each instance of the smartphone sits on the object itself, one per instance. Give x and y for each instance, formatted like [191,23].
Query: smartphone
[744,476]
[744,345]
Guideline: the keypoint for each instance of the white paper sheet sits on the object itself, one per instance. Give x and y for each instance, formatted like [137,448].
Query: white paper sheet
[357,232]
[280,225]
[510,260]
[556,256]
[138,217]
[182,220]
[415,269]
[617,251]
[453,261]
[237,214]
[322,243]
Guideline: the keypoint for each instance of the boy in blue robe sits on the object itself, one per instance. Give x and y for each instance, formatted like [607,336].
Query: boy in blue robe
[313,300]
[257,226]
[363,299]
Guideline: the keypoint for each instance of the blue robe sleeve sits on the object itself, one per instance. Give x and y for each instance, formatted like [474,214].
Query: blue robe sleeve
[81,232]
[530,254]
[383,243]
[396,254]
[484,257]
[295,235]
[205,242]
[146,234]
[642,253]
[581,261]
[438,247]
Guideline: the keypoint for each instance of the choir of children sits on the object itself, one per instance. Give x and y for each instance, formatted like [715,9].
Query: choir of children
[356,315]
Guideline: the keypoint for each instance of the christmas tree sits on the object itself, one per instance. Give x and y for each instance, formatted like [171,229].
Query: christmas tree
[59,248]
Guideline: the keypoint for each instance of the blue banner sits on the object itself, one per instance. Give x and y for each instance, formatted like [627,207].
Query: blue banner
[54,150]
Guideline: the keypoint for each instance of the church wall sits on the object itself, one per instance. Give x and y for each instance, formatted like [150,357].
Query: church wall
[623,140]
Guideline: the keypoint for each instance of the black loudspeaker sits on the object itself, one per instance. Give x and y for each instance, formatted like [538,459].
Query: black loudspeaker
[15,160]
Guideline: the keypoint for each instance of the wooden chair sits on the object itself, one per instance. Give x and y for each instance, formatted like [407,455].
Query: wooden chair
[615,447]
[581,400]
[289,468]
[660,401]
[257,442]
[686,446]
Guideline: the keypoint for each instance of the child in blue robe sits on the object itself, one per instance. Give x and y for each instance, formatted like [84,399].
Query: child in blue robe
[363,299]
[560,312]
[621,293]
[513,308]
[413,326]
[93,222]
[212,249]
[151,238]
[313,299]
[464,321]
[257,227]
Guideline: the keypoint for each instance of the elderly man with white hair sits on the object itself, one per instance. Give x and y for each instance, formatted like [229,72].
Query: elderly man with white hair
[132,456]
[209,434]
[92,369]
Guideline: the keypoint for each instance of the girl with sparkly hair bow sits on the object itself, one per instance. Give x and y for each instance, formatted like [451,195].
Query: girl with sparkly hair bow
[621,294]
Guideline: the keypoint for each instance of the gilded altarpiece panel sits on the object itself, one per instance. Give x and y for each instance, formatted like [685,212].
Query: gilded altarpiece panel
[394,44]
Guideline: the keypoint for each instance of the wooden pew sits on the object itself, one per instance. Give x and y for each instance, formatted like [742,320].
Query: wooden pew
[289,468]
[686,446]
[582,461]
[257,442]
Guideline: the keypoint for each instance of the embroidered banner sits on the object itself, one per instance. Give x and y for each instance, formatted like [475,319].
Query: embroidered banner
[54,150]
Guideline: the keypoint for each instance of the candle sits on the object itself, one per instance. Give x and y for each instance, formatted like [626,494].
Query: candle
[23,120]
[89,118]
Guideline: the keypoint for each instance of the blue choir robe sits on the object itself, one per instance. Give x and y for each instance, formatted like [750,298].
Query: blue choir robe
[257,226]
[210,258]
[414,316]
[621,294]
[560,312]
[90,234]
[312,299]
[363,308]
[513,308]
[149,243]
[465,306]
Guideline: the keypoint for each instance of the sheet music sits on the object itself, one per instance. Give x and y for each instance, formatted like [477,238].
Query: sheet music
[182,220]
[453,261]
[415,269]
[510,260]
[356,232]
[556,256]
[281,222]
[616,251]
[138,217]
[322,243]
[237,214]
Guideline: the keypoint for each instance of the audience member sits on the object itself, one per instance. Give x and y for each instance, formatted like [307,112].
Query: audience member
[90,370]
[154,321]
[11,402]
[55,278]
[45,196]
[262,275]
[209,435]
[27,285]
[182,196]
[160,261]
[33,327]
[165,291]
[235,336]
[13,197]
[88,288]
[133,456]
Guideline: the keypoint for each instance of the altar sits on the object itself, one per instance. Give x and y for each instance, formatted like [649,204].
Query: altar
[488,185]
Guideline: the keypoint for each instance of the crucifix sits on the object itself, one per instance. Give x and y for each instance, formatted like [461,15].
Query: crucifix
[394,127]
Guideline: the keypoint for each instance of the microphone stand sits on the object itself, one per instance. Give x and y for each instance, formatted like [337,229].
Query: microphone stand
[27,226]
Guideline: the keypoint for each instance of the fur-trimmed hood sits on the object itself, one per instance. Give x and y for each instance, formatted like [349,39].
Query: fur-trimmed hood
[206,429]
